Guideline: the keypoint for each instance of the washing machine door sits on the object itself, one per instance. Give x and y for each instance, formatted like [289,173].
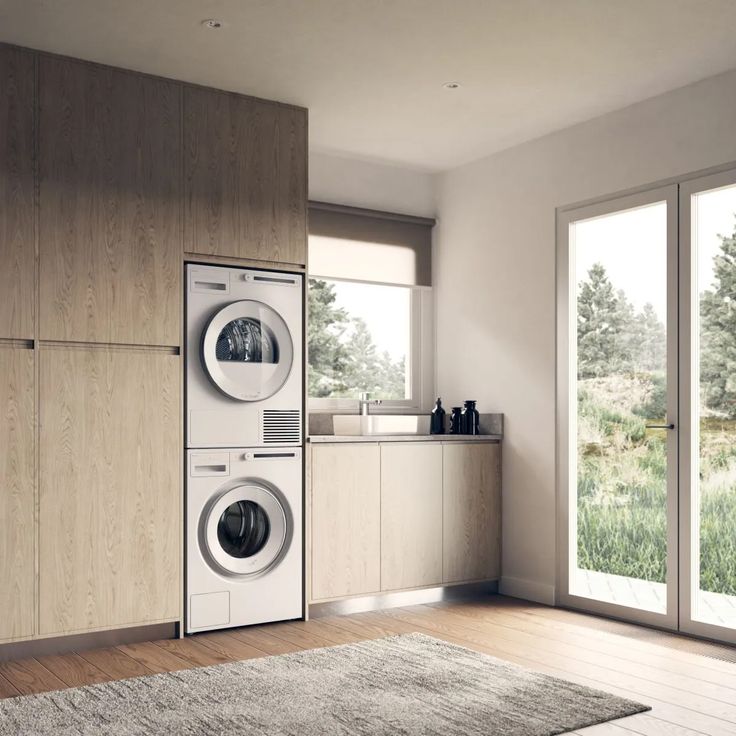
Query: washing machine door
[245,531]
[247,350]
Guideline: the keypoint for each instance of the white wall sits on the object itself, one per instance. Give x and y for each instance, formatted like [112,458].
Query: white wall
[376,186]
[495,281]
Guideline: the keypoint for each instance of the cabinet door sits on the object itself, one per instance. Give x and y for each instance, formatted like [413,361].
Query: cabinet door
[245,164]
[472,511]
[110,208]
[411,515]
[17,500]
[17,244]
[110,464]
[346,518]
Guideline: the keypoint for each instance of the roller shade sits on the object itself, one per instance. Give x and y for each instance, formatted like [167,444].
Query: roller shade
[367,245]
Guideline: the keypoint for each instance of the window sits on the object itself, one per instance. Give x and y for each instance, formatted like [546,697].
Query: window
[370,309]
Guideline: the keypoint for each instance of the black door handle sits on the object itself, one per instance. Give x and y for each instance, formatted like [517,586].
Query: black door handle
[659,426]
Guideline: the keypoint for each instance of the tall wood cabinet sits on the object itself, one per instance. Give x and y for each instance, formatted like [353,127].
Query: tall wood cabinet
[110,205]
[110,525]
[107,177]
[17,234]
[17,496]
[245,177]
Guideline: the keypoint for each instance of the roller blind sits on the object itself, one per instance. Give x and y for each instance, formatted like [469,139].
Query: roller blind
[367,245]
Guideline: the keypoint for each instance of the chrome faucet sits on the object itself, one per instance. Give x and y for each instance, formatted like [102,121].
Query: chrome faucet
[365,401]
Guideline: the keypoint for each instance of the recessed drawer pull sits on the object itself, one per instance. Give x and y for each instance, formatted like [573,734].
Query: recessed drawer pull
[212,285]
[210,468]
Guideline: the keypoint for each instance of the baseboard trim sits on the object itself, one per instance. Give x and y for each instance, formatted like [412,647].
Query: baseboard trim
[528,590]
[403,598]
[78,642]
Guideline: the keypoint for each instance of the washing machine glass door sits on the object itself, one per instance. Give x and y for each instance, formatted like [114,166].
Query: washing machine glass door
[245,530]
[247,350]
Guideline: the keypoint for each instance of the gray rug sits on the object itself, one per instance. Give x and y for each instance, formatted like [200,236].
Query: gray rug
[409,684]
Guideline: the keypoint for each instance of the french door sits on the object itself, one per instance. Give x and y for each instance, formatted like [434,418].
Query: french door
[646,391]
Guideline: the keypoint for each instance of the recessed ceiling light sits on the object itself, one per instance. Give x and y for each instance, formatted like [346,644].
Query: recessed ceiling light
[212,23]
[451,85]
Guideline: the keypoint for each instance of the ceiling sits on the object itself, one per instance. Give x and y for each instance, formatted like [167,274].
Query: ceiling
[372,71]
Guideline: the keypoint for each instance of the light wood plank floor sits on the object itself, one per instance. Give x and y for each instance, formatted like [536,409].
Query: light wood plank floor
[690,686]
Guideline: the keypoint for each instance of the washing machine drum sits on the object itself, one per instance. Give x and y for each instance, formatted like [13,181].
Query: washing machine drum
[244,532]
[247,350]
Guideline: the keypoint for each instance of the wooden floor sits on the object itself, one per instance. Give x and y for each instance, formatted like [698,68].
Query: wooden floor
[690,691]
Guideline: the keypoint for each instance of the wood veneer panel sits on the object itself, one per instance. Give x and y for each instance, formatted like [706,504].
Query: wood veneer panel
[346,520]
[109,488]
[17,497]
[244,177]
[110,208]
[471,511]
[17,230]
[411,515]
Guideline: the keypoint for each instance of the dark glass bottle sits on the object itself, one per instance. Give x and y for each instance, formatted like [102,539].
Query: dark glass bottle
[437,422]
[470,419]
[455,417]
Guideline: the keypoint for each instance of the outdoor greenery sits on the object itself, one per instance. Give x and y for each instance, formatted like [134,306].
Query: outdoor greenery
[621,464]
[343,358]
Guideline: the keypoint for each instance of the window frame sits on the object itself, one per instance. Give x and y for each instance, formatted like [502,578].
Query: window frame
[420,357]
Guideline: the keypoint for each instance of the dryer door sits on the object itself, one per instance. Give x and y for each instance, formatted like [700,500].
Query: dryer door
[247,350]
[245,531]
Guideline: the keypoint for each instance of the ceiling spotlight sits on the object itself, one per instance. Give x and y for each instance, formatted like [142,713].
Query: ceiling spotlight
[212,23]
[451,85]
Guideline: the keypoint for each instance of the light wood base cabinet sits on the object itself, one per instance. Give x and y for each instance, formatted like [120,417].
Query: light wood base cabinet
[411,515]
[471,479]
[17,497]
[403,515]
[346,520]
[109,529]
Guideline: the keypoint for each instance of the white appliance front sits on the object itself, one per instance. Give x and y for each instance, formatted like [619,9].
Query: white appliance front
[244,558]
[243,357]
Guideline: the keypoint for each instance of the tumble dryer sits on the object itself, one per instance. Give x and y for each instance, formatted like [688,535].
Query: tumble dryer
[243,357]
[244,537]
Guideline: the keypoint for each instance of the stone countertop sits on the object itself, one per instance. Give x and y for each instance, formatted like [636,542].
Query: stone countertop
[316,438]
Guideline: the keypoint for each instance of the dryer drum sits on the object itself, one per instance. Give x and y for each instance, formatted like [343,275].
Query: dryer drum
[243,529]
[245,340]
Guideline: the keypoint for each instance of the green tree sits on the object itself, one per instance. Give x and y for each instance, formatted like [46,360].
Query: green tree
[648,342]
[603,316]
[328,354]
[718,333]
[343,358]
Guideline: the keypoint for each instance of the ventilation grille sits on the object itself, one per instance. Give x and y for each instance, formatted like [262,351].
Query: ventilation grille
[282,426]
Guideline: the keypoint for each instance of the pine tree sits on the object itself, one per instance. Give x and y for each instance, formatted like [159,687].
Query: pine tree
[718,333]
[328,354]
[602,319]
[649,341]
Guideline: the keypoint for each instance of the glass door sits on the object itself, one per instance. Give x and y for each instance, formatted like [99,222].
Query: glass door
[617,407]
[708,406]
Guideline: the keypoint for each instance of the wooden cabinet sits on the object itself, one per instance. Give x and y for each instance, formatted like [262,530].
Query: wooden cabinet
[411,515]
[400,515]
[245,177]
[17,233]
[471,511]
[17,495]
[346,520]
[110,500]
[110,205]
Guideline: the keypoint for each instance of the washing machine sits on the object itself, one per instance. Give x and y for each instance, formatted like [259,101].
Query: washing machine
[244,340]
[244,537]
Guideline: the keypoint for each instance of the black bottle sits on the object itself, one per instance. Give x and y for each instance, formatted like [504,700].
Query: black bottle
[470,419]
[437,422]
[455,423]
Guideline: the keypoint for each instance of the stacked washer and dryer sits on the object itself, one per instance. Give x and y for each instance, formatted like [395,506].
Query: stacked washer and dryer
[244,396]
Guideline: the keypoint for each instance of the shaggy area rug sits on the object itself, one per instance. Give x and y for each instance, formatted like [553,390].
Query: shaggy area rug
[408,684]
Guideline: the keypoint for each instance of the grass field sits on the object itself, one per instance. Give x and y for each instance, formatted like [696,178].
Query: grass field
[621,485]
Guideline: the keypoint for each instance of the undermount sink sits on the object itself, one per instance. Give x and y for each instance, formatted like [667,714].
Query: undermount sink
[380,424]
